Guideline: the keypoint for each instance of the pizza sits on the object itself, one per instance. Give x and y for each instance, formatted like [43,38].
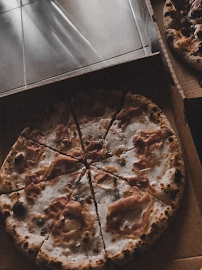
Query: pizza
[96,180]
[183,29]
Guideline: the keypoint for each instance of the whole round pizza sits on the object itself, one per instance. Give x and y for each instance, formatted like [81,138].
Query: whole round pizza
[94,180]
[183,29]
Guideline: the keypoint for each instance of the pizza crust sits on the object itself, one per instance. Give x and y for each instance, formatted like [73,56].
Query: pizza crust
[185,47]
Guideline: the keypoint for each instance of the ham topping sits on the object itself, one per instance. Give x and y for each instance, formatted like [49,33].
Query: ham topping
[31,178]
[151,136]
[141,147]
[144,163]
[125,116]
[32,155]
[55,207]
[102,177]
[23,162]
[76,222]
[32,191]
[95,150]
[147,140]
[61,165]
[63,135]
[62,131]
[129,216]
[142,182]
[106,181]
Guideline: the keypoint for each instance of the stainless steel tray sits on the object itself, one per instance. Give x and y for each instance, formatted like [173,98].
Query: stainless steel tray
[44,40]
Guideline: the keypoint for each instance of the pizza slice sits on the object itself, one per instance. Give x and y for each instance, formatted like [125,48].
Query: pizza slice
[55,128]
[183,30]
[75,241]
[138,113]
[29,162]
[131,219]
[154,164]
[95,110]
[31,213]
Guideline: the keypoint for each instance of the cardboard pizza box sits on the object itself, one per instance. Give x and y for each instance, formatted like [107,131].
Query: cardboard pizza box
[180,246]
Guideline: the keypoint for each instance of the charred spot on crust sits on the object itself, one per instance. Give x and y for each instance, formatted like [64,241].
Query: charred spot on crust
[6,214]
[19,209]
[25,245]
[166,212]
[170,139]
[178,176]
[96,250]
[154,109]
[126,253]
[40,222]
[154,226]
[87,142]
[18,159]
[154,116]
[143,236]
[43,231]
